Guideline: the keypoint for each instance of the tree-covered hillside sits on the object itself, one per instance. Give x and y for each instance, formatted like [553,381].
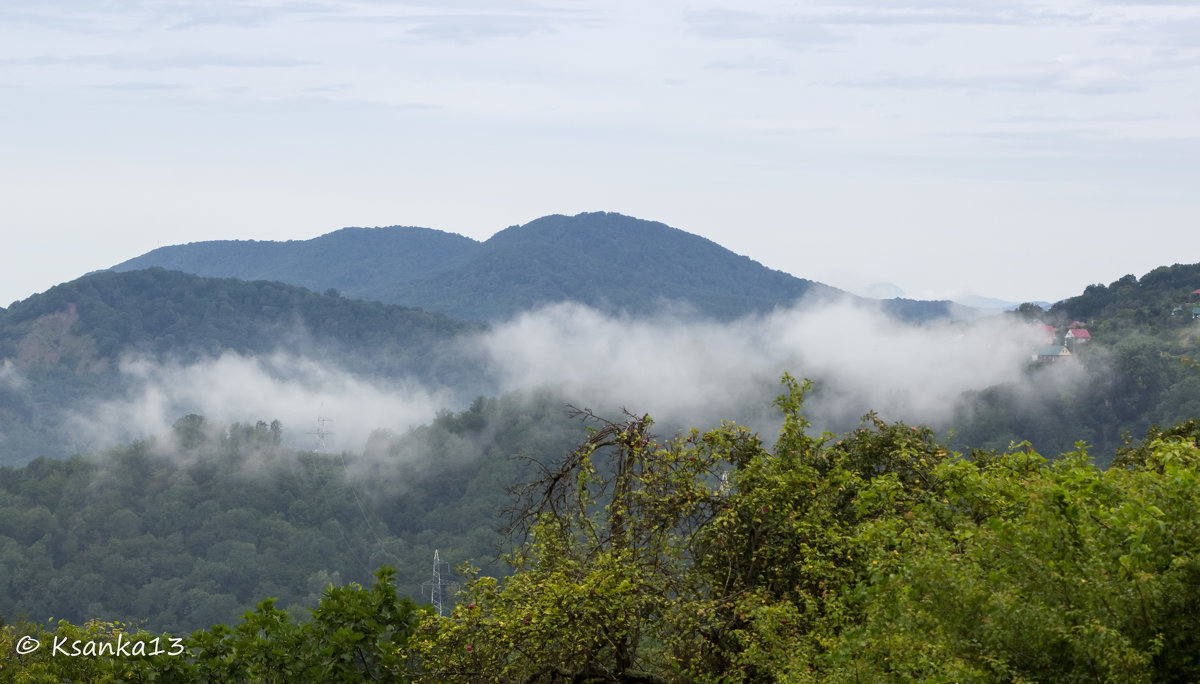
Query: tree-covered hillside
[1138,369]
[94,319]
[609,261]
[351,260]
[187,529]
[1158,303]
[63,346]
[879,555]
[605,260]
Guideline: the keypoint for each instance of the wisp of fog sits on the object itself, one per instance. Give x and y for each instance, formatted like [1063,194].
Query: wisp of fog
[682,370]
[702,371]
[293,389]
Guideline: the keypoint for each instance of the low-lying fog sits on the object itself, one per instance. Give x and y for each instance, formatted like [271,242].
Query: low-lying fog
[682,371]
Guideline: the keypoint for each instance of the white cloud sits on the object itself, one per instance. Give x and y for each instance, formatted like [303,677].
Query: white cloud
[689,372]
[683,371]
[234,388]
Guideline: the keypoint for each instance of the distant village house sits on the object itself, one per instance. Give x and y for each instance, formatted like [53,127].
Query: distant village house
[1051,353]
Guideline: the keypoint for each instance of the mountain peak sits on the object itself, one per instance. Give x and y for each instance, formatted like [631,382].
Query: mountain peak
[606,260]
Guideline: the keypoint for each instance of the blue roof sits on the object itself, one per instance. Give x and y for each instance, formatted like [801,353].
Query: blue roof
[1051,350]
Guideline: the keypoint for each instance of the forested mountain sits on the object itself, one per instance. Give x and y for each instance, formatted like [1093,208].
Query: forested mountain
[605,260]
[1160,302]
[1138,369]
[708,557]
[351,260]
[62,346]
[608,261]
[182,530]
[92,320]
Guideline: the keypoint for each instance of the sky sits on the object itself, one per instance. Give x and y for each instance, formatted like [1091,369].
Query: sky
[1005,148]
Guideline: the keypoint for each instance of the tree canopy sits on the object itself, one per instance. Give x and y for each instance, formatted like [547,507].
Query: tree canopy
[878,555]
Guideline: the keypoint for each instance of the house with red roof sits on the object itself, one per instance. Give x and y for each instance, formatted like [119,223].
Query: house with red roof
[1076,337]
[1079,335]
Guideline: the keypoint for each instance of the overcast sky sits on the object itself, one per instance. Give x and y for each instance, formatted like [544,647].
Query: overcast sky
[1020,150]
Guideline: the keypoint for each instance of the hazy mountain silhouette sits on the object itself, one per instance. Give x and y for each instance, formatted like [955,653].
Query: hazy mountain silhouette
[613,262]
[350,260]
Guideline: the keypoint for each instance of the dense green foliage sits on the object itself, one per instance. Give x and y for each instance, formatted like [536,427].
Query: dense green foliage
[159,312]
[1139,369]
[1161,301]
[877,556]
[178,533]
[354,634]
[881,555]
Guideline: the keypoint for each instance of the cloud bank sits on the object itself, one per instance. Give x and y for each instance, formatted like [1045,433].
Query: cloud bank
[705,371]
[681,370]
[295,390]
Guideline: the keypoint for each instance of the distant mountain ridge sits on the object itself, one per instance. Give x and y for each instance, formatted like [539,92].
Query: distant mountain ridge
[157,311]
[606,260]
[995,304]
[398,253]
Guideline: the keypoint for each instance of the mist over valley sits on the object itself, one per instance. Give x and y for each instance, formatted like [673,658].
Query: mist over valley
[666,323]
[177,446]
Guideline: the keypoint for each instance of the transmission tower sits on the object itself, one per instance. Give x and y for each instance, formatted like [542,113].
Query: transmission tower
[436,584]
[321,433]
